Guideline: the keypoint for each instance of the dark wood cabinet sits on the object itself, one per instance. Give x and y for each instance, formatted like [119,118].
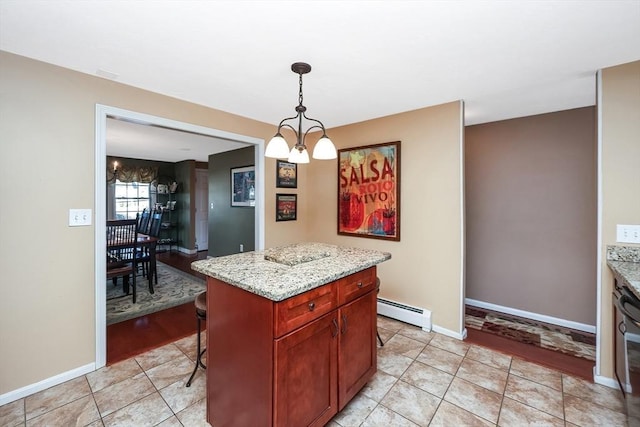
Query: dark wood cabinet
[291,363]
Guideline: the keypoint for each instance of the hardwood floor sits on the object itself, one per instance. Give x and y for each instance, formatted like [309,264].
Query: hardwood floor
[136,336]
[571,365]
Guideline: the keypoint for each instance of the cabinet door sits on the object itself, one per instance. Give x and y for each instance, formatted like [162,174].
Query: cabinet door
[357,356]
[306,372]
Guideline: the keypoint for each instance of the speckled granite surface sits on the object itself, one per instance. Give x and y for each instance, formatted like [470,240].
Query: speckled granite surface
[299,267]
[624,262]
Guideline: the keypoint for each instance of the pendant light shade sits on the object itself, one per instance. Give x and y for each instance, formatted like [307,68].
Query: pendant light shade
[278,147]
[324,149]
[298,156]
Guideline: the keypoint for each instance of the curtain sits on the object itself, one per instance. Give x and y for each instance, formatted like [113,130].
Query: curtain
[124,173]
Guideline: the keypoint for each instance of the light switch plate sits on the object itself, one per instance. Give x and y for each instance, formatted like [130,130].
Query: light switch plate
[628,233]
[79,217]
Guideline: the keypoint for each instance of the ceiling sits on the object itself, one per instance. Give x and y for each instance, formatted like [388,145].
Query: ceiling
[370,59]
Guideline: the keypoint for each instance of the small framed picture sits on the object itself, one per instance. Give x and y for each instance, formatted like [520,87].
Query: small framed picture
[286,174]
[286,207]
[243,186]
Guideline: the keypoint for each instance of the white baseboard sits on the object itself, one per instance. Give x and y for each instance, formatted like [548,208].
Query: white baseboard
[28,390]
[450,333]
[534,316]
[605,381]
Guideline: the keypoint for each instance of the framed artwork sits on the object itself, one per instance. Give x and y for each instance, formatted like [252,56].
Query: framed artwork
[286,174]
[243,186]
[369,191]
[286,207]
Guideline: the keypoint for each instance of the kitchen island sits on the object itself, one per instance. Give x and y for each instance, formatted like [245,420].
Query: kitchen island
[291,333]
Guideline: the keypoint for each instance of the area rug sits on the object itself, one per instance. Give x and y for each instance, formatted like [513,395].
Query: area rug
[174,287]
[552,337]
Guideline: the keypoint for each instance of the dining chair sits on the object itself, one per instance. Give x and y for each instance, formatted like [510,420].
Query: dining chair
[143,221]
[122,237]
[147,251]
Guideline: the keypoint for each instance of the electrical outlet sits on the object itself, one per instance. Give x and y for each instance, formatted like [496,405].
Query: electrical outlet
[628,233]
[79,217]
[241,247]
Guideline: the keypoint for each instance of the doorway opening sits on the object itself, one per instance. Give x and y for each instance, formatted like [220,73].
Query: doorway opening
[103,112]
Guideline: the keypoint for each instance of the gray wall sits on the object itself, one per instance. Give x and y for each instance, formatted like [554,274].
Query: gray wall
[229,226]
[531,214]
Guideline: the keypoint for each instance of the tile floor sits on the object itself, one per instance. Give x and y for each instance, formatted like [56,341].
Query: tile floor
[423,379]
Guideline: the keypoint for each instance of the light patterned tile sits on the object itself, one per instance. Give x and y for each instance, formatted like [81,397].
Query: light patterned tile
[537,373]
[452,345]
[12,414]
[378,385]
[390,324]
[489,357]
[188,345]
[80,412]
[356,411]
[195,415]
[179,397]
[121,394]
[171,422]
[176,370]
[109,375]
[148,411]
[416,333]
[392,363]
[585,413]
[475,399]
[485,376]
[385,417]
[440,359]
[56,396]
[404,346]
[514,413]
[158,356]
[411,402]
[385,334]
[427,378]
[596,393]
[450,415]
[535,395]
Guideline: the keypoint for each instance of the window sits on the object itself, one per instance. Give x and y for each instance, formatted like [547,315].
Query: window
[131,198]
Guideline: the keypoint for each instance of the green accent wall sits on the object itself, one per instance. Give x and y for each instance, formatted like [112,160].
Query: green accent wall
[229,227]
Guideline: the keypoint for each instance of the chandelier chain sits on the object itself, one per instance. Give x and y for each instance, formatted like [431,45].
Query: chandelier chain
[300,94]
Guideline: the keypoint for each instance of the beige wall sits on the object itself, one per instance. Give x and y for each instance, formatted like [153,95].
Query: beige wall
[531,206]
[47,134]
[620,135]
[426,265]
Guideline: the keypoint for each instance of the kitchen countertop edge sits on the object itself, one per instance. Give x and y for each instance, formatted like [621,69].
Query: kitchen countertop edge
[276,281]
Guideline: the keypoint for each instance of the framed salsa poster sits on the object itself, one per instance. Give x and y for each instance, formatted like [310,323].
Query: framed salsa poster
[369,191]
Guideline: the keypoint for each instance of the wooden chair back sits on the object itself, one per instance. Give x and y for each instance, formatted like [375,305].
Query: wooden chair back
[155,223]
[143,222]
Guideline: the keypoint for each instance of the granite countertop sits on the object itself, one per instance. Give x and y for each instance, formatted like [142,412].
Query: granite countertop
[624,262]
[282,272]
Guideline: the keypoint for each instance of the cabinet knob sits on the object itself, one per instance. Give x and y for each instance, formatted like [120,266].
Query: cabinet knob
[312,306]
[359,284]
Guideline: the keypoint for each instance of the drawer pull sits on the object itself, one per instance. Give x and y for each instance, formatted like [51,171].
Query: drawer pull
[359,284]
[334,332]
[312,306]
[344,324]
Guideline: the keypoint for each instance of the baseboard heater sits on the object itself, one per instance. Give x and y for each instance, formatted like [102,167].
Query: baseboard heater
[405,313]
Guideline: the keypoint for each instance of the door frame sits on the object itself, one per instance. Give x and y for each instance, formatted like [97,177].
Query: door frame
[100,204]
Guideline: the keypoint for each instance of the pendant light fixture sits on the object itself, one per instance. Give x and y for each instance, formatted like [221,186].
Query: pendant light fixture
[278,147]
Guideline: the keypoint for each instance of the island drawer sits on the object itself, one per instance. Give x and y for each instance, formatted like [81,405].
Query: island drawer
[355,285]
[296,311]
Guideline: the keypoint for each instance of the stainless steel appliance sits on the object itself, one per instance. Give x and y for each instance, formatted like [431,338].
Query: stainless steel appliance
[627,349]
